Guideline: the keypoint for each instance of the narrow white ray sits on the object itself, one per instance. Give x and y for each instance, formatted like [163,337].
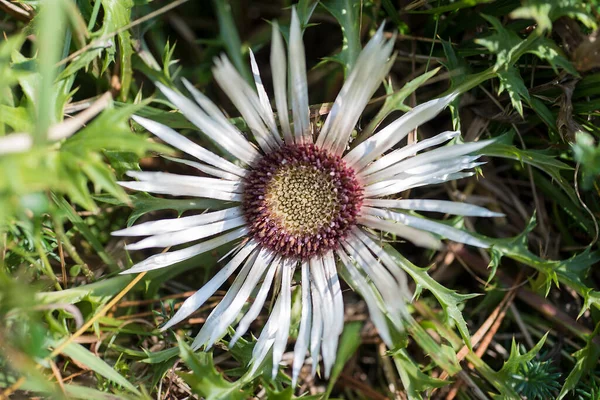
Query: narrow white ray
[305,325]
[372,65]
[433,156]
[230,306]
[284,320]
[441,206]
[385,258]
[195,301]
[187,235]
[329,331]
[385,139]
[188,180]
[173,138]
[459,163]
[178,224]
[236,145]
[424,172]
[298,84]
[257,305]
[399,184]
[369,294]
[415,236]
[428,225]
[407,151]
[316,332]
[334,285]
[227,314]
[267,111]
[266,339]
[382,279]
[164,260]
[279,71]
[228,128]
[181,190]
[247,103]
[209,327]
[207,169]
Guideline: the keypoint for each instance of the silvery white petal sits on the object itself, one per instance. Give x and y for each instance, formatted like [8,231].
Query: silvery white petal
[279,71]
[415,236]
[188,180]
[236,145]
[228,309]
[369,294]
[407,151]
[427,225]
[257,305]
[298,84]
[372,65]
[379,275]
[284,320]
[316,332]
[195,301]
[440,154]
[187,235]
[181,190]
[164,260]
[385,139]
[336,291]
[207,169]
[247,103]
[178,224]
[441,206]
[266,339]
[385,258]
[305,325]
[173,138]
[267,111]
[329,334]
[228,128]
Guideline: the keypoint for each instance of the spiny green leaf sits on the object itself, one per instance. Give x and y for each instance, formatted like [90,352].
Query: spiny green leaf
[586,361]
[205,380]
[415,382]
[544,12]
[347,13]
[511,81]
[516,359]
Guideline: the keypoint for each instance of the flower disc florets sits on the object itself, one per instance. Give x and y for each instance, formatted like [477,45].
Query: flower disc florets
[300,201]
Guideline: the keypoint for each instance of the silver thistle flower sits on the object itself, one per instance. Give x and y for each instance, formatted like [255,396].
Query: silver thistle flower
[296,199]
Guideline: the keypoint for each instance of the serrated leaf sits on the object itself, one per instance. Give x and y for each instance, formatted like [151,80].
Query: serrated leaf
[544,12]
[205,380]
[511,81]
[516,359]
[347,13]
[586,361]
[448,299]
[503,43]
[415,382]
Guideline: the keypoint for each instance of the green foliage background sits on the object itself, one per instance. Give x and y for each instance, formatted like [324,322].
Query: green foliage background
[72,72]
